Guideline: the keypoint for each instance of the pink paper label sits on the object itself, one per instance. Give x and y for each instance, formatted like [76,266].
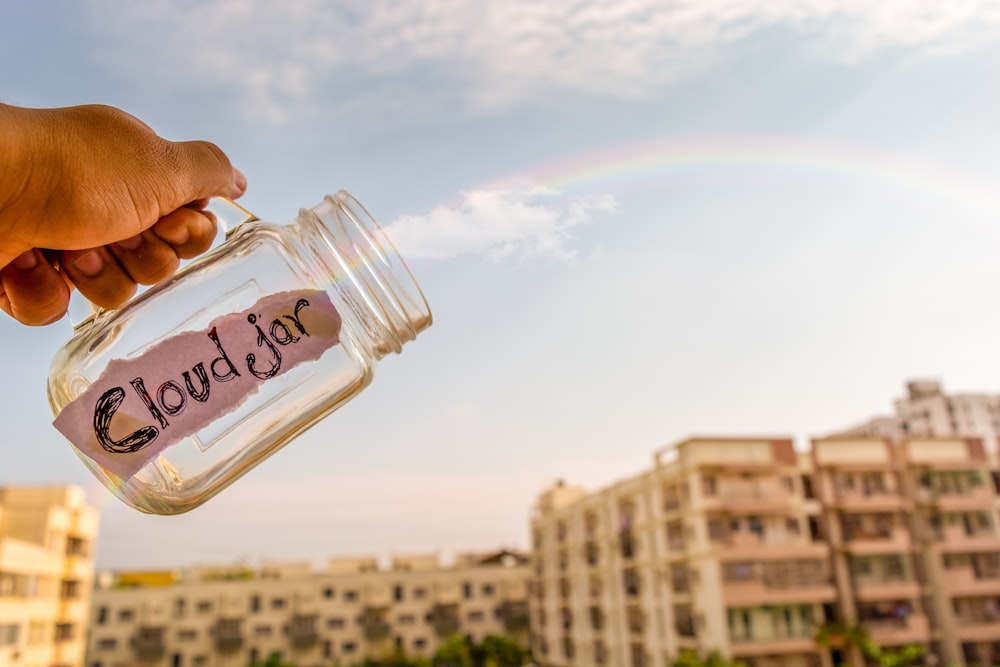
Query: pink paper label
[138,407]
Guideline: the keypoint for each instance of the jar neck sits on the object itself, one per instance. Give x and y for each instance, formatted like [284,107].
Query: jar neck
[368,262]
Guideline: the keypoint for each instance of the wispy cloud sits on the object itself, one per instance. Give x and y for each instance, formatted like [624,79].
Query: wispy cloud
[280,59]
[499,223]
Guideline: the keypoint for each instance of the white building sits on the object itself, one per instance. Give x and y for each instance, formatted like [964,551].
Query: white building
[926,411]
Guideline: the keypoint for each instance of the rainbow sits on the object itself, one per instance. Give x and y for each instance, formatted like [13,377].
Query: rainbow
[661,163]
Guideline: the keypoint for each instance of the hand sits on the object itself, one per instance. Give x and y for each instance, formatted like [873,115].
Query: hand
[91,197]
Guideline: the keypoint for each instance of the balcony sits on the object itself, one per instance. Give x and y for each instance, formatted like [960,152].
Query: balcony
[776,583]
[874,500]
[444,618]
[228,635]
[875,539]
[970,499]
[302,631]
[978,622]
[758,498]
[771,640]
[972,580]
[889,630]
[148,644]
[374,624]
[871,588]
[514,615]
[747,545]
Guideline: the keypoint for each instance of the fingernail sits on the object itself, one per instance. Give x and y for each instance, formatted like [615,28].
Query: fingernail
[239,181]
[26,261]
[131,243]
[89,264]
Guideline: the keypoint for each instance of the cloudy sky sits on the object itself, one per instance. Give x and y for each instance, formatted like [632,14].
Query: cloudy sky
[634,220]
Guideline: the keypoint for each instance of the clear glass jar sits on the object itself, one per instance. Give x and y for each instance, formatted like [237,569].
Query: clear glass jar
[174,396]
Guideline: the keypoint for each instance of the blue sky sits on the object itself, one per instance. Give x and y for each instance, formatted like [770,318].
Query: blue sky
[634,221]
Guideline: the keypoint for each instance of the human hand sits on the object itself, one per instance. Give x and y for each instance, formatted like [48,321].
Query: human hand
[91,197]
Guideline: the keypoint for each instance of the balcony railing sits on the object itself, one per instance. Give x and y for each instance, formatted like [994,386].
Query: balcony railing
[444,618]
[302,631]
[514,615]
[148,644]
[228,635]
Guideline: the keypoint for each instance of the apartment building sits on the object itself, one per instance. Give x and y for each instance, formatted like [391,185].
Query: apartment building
[46,575]
[746,546]
[927,411]
[718,546]
[217,617]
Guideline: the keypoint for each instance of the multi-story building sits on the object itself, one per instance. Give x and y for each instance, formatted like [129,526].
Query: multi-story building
[716,547]
[926,411]
[748,547]
[46,575]
[216,617]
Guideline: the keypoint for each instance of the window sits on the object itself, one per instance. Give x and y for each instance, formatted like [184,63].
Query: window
[347,647]
[397,593]
[488,590]
[792,526]
[467,590]
[187,635]
[126,615]
[102,615]
[254,603]
[278,603]
[76,546]
[107,644]
[262,631]
[475,616]
[64,632]
[328,593]
[419,593]
[419,643]
[9,634]
[69,589]
[407,619]
[204,606]
[350,596]
[707,485]
[335,622]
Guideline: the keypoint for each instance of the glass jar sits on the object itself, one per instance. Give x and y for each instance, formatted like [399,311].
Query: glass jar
[192,383]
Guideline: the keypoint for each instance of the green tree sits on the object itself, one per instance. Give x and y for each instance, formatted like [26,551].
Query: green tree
[454,652]
[842,635]
[690,658]
[499,651]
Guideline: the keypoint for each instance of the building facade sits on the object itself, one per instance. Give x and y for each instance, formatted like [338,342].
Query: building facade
[927,411]
[748,547]
[46,575]
[217,617]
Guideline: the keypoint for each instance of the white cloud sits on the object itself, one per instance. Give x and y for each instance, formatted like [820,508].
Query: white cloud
[280,58]
[498,223]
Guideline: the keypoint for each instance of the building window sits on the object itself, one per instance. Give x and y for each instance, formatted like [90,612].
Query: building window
[278,603]
[204,606]
[475,616]
[397,593]
[102,615]
[9,634]
[467,590]
[347,647]
[350,596]
[407,619]
[64,632]
[420,644]
[262,631]
[328,593]
[419,593]
[107,644]
[488,590]
[187,635]
[254,603]
[335,622]
[125,615]
[708,485]
[76,546]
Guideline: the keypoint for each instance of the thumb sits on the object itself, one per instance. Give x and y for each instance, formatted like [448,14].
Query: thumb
[202,170]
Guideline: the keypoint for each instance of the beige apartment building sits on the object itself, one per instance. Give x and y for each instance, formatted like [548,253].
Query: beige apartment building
[232,616]
[46,574]
[746,546]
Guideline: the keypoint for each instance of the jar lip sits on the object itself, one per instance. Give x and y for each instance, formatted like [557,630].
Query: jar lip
[381,270]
